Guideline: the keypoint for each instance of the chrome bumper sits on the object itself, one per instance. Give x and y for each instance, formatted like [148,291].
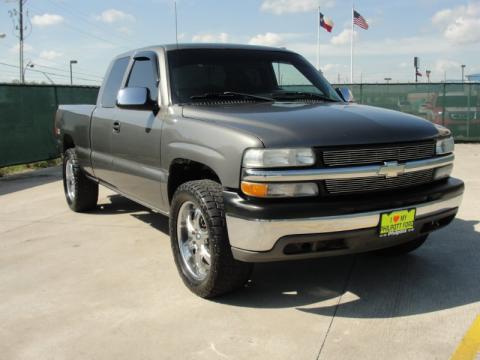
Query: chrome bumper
[261,235]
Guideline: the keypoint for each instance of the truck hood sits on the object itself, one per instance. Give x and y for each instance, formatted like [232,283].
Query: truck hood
[320,124]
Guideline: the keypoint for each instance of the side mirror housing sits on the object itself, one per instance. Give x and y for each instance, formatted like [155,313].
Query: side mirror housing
[346,94]
[135,98]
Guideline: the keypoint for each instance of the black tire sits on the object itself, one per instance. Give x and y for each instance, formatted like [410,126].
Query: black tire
[84,196]
[405,248]
[225,273]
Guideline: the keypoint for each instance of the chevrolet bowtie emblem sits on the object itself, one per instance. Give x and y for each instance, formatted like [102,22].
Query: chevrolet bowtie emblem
[391,169]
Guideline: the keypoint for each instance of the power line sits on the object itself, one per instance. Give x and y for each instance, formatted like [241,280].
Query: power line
[83,32]
[85,18]
[99,78]
[50,73]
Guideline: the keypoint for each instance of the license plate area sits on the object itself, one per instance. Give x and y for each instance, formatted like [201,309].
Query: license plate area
[397,222]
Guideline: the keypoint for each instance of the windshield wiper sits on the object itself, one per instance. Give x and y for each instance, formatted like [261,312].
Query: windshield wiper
[293,95]
[229,95]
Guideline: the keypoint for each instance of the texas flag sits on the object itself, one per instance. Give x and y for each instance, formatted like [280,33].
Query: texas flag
[327,24]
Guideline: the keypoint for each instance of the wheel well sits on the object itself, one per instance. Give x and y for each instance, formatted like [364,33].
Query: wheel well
[67,143]
[183,170]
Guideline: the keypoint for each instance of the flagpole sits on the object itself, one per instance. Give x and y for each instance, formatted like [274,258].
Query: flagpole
[318,39]
[351,49]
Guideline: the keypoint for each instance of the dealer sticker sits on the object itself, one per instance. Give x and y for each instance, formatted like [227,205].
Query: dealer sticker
[397,222]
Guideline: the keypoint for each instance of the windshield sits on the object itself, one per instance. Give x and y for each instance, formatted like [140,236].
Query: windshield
[207,74]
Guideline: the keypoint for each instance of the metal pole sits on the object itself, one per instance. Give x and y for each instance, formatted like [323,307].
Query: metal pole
[351,49]
[318,39]
[71,72]
[22,75]
[176,23]
[463,74]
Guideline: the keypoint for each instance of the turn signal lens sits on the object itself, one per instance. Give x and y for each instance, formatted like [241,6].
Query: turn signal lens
[279,190]
[254,189]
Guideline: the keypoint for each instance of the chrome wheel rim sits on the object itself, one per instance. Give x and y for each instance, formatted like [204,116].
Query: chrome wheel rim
[192,237]
[70,180]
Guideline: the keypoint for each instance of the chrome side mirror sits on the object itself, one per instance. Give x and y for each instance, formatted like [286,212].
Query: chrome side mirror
[135,98]
[346,94]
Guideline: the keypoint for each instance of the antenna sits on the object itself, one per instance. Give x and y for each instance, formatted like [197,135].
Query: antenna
[176,26]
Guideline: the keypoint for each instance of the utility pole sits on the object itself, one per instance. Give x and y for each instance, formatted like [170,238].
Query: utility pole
[18,19]
[20,9]
[463,74]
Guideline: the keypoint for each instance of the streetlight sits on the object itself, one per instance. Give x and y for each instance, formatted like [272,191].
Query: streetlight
[387,79]
[428,72]
[463,73]
[71,76]
[30,65]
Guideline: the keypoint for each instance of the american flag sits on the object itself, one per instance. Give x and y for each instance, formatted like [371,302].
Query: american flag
[359,20]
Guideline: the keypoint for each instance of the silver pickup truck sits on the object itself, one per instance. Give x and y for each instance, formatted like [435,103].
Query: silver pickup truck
[255,157]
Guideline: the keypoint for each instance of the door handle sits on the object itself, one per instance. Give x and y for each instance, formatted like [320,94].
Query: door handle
[116,127]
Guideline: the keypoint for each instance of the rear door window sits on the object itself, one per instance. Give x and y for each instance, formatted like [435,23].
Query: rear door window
[114,81]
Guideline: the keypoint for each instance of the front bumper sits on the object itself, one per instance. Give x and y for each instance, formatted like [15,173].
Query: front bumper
[323,231]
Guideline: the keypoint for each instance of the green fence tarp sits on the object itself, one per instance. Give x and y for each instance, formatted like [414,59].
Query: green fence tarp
[454,105]
[27,112]
[26,119]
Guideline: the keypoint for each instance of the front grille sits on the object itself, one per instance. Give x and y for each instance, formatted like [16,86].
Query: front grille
[378,154]
[377,183]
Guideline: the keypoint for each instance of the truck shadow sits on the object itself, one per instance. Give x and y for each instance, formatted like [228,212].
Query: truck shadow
[440,275]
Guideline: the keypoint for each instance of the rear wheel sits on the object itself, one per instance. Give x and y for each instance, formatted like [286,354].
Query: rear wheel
[200,243]
[404,248]
[81,192]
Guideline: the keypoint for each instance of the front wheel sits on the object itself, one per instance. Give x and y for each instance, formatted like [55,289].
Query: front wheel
[200,243]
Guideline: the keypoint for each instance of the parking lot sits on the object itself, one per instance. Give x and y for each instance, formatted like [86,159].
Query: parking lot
[104,285]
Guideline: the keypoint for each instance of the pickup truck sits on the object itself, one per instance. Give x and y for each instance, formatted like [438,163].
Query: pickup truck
[255,157]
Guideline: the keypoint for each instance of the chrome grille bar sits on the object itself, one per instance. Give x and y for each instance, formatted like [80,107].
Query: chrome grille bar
[374,155]
[350,172]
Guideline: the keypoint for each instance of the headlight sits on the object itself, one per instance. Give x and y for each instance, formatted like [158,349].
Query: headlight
[445,146]
[279,190]
[269,158]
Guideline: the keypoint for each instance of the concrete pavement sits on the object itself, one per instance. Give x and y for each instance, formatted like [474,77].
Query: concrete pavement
[103,285]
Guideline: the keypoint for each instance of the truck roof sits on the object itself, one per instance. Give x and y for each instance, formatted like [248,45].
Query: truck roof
[182,46]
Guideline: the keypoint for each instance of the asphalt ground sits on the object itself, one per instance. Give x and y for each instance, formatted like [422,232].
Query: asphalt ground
[103,285]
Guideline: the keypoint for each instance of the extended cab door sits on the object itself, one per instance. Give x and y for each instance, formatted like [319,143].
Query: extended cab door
[136,142]
[103,119]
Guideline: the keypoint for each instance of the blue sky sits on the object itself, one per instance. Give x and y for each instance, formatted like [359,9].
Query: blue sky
[444,34]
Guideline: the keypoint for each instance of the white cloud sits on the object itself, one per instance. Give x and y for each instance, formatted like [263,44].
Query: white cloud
[47,20]
[460,24]
[50,55]
[111,16]
[343,37]
[279,7]
[267,39]
[211,38]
